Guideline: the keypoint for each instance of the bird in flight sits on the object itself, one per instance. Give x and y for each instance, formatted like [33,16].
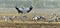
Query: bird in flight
[24,10]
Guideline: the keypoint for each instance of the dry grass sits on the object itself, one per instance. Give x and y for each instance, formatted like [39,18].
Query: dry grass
[17,23]
[20,24]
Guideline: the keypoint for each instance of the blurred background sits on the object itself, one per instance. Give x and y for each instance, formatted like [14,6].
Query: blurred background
[7,6]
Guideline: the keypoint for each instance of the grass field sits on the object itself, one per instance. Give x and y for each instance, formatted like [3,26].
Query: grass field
[17,23]
[7,8]
[20,24]
[29,23]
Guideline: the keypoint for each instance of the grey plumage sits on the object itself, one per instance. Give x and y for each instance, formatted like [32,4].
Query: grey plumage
[9,17]
[57,18]
[35,18]
[24,10]
[51,20]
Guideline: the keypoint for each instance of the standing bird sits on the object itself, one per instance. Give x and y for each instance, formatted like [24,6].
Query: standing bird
[52,18]
[9,17]
[57,19]
[36,18]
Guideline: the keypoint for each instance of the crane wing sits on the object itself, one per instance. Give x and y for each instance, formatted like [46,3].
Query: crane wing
[30,8]
[19,11]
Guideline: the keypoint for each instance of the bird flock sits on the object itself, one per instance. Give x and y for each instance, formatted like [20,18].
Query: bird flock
[34,18]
